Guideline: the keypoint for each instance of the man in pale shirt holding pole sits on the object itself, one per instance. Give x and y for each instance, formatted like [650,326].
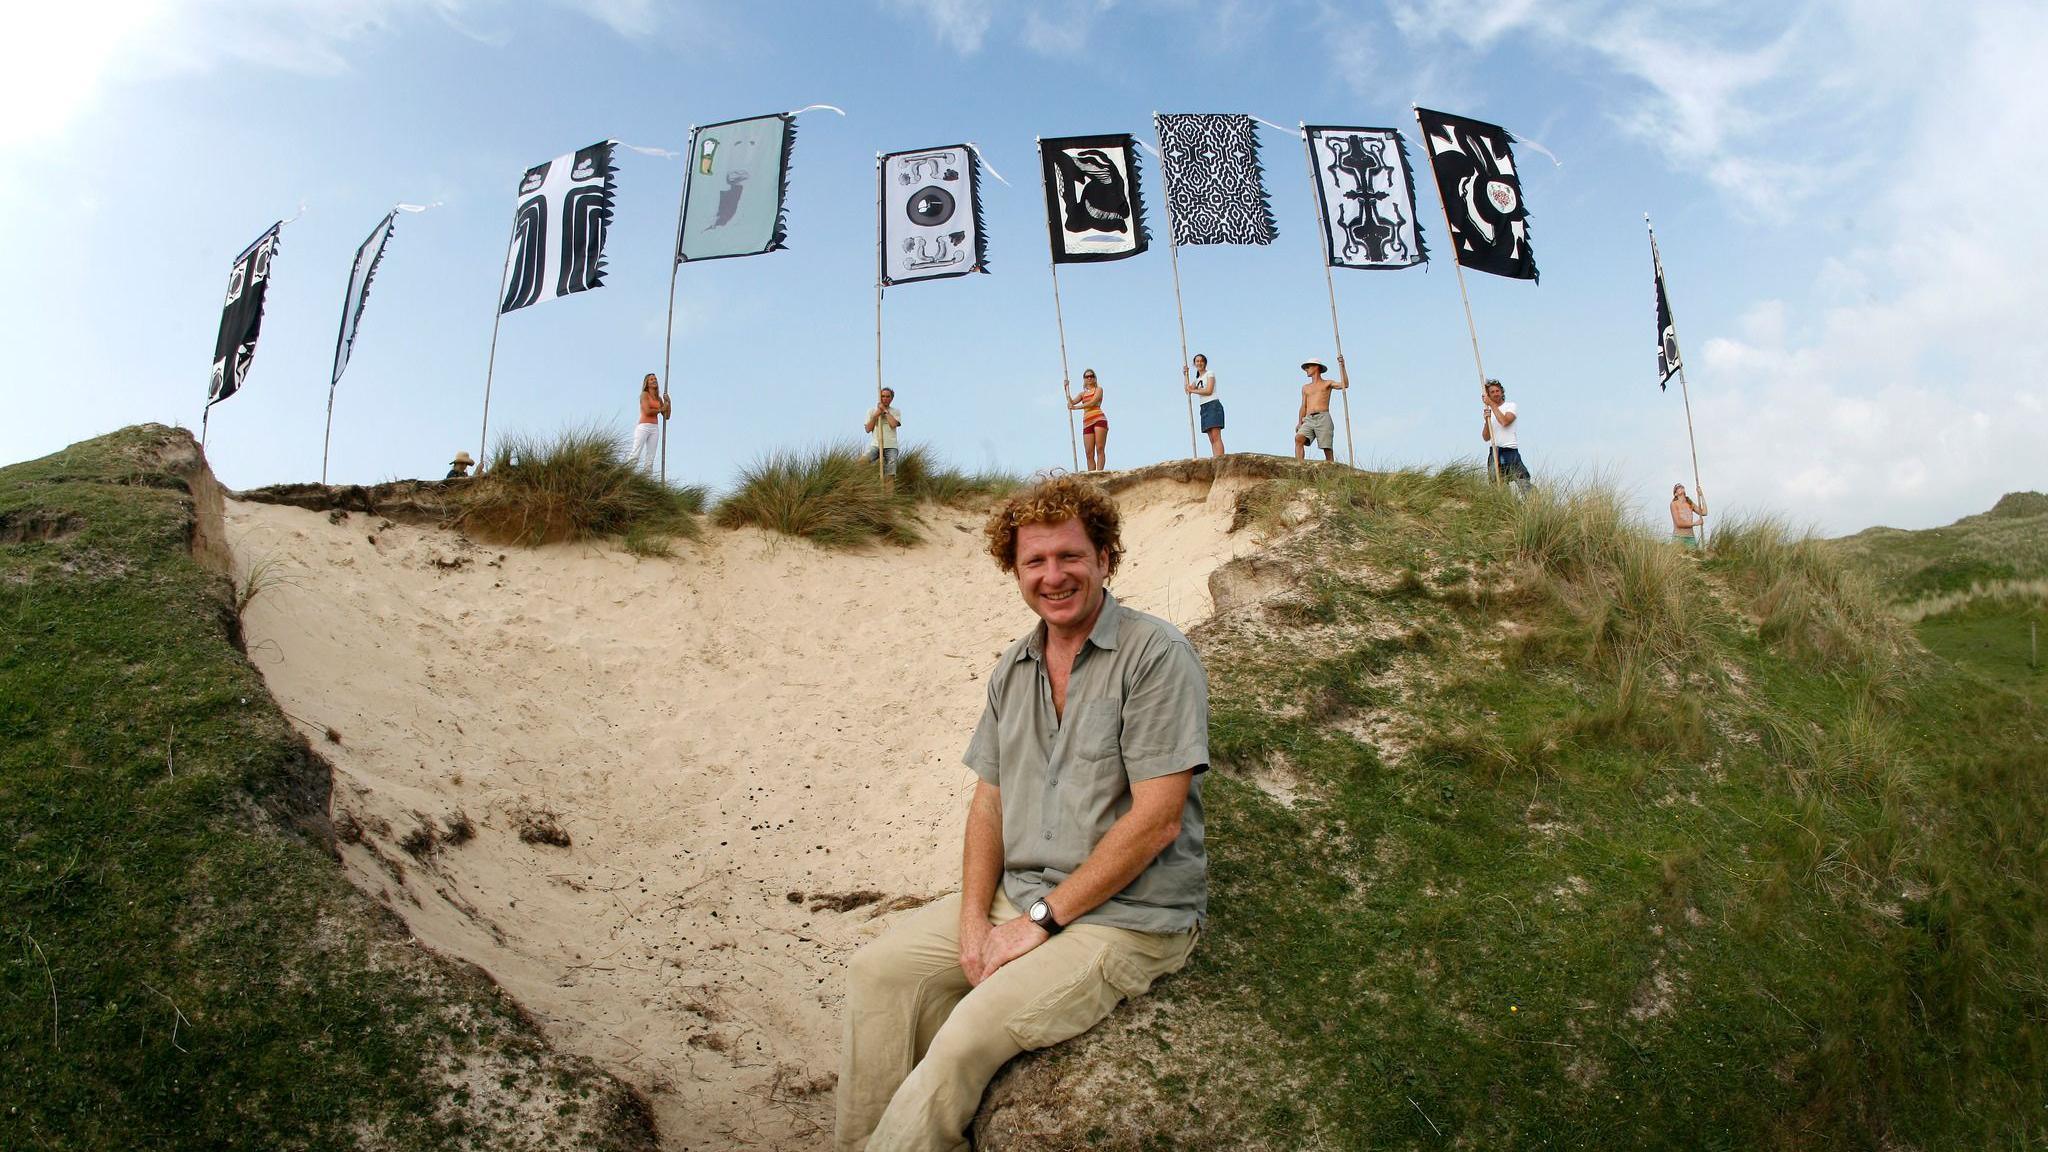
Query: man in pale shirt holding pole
[883,420]
[1499,433]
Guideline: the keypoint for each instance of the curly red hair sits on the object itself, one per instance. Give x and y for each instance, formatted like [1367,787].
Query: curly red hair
[1050,502]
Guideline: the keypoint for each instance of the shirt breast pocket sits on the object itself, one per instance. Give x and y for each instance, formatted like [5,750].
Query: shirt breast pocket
[1098,730]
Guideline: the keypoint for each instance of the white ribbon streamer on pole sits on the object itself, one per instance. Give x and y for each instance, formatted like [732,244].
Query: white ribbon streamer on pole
[976,148]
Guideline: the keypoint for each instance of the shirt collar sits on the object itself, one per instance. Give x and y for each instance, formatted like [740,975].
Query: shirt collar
[1103,635]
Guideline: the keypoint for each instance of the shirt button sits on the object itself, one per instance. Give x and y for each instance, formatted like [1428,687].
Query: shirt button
[1048,835]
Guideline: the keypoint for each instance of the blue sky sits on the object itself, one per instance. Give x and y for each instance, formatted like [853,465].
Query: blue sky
[1840,189]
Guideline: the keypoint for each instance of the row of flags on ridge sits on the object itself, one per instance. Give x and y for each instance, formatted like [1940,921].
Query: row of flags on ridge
[930,221]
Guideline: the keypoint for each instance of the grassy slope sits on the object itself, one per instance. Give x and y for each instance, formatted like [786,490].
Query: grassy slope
[1517,844]
[1978,588]
[182,963]
[2008,542]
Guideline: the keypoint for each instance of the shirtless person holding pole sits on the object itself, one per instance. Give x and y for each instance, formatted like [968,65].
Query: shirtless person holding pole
[1313,424]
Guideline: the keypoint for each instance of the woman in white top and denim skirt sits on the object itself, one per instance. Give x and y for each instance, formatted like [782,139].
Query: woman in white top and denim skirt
[1204,384]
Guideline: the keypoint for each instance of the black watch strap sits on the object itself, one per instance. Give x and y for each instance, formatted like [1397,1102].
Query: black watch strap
[1043,917]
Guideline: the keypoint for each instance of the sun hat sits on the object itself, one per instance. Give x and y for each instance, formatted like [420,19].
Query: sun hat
[1318,365]
[461,458]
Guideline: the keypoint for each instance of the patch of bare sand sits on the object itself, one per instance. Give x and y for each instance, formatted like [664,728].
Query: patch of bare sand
[729,738]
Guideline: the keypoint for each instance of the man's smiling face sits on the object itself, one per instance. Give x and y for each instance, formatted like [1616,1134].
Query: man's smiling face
[1060,573]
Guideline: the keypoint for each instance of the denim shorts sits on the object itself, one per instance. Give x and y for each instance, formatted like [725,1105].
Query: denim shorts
[1511,466]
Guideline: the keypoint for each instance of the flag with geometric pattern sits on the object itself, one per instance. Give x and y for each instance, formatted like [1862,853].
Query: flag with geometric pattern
[1215,190]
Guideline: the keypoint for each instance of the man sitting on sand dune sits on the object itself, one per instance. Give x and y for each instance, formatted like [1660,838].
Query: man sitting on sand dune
[1084,877]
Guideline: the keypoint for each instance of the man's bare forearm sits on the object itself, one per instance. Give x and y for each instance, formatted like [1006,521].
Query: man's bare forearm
[1131,844]
[981,860]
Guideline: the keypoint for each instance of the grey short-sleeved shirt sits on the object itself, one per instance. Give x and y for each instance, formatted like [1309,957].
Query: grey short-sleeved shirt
[1137,708]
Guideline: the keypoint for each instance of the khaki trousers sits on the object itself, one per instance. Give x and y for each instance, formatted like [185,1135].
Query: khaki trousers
[921,1044]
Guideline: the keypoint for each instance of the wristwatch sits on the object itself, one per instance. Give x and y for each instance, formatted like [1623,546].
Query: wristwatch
[1041,915]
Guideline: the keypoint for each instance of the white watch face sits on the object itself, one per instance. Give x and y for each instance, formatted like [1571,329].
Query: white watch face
[1039,912]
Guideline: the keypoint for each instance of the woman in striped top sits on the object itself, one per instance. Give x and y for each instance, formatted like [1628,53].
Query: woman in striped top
[1094,425]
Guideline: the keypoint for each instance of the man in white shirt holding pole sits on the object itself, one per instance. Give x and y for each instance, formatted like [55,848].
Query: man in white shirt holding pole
[1505,455]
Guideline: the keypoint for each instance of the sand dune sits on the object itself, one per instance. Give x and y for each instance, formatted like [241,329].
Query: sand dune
[737,741]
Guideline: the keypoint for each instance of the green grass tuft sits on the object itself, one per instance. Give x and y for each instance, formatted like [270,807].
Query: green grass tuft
[834,495]
[577,485]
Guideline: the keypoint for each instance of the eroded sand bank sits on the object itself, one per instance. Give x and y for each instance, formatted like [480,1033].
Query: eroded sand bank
[729,738]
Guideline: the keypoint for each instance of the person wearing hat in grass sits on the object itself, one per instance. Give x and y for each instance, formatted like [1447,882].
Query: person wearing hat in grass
[654,408]
[458,468]
[1313,424]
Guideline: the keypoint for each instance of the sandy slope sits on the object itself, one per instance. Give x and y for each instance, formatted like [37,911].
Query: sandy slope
[752,719]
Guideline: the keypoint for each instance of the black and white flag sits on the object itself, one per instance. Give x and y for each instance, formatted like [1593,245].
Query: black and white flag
[1667,331]
[1092,203]
[368,255]
[1367,195]
[565,207]
[1215,191]
[241,317]
[1482,194]
[930,202]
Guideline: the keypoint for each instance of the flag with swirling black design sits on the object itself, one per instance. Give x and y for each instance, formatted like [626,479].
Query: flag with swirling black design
[1093,206]
[1667,329]
[241,317]
[930,202]
[1367,197]
[1482,193]
[1215,189]
[565,207]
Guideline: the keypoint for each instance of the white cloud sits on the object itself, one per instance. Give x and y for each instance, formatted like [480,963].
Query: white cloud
[963,24]
[65,51]
[76,51]
[1761,104]
[1063,27]
[1920,393]
[629,18]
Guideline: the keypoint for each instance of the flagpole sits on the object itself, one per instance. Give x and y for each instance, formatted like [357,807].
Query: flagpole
[328,438]
[1066,380]
[881,457]
[1179,312]
[675,266]
[490,367]
[1323,234]
[1685,393]
[1450,237]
